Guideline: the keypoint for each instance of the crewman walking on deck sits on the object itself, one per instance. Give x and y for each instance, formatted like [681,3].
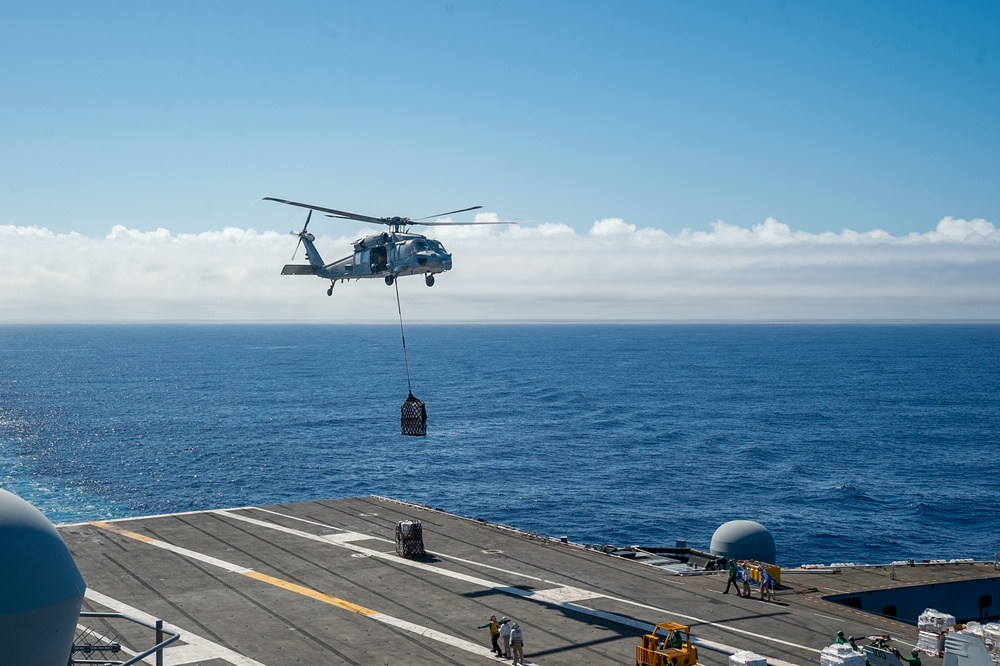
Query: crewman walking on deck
[494,627]
[505,636]
[517,644]
[839,640]
[766,585]
[915,659]
[732,579]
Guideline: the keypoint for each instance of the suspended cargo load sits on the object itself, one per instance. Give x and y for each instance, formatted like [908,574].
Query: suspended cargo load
[413,417]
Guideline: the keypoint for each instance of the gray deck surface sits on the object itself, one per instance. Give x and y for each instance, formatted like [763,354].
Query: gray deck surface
[320,583]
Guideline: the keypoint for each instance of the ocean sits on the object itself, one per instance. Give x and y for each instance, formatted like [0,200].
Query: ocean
[850,442]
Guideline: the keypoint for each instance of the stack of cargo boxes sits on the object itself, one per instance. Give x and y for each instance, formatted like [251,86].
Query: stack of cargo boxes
[990,633]
[991,636]
[841,654]
[747,658]
[933,626]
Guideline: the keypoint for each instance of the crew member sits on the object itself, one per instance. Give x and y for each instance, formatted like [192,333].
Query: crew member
[505,636]
[494,627]
[732,579]
[517,644]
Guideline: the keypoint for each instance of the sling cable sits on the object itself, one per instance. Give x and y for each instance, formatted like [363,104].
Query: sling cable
[413,413]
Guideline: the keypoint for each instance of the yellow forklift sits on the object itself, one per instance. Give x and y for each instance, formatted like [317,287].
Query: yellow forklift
[669,644]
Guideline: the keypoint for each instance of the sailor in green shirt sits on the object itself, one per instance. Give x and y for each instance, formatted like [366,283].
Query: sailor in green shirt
[732,579]
[494,628]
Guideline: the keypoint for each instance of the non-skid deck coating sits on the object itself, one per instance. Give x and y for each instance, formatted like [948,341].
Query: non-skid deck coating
[319,583]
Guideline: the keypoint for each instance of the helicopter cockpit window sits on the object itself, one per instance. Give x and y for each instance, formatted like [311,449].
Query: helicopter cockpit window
[419,245]
[436,245]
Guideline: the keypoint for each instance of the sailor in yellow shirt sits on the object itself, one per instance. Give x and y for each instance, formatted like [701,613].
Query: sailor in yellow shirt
[494,633]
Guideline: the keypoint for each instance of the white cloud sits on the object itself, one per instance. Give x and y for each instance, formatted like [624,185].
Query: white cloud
[615,271]
[612,227]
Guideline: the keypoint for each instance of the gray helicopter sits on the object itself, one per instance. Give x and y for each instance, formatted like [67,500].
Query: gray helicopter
[387,255]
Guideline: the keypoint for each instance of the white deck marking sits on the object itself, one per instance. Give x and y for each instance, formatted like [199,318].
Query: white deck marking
[207,559]
[340,540]
[564,595]
[548,596]
[196,648]
[276,513]
[425,632]
[827,617]
[434,635]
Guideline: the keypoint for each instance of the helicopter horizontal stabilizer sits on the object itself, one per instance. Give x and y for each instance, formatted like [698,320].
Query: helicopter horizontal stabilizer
[298,269]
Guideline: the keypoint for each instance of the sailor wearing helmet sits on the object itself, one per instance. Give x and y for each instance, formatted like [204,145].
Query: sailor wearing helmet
[494,627]
[505,636]
[517,643]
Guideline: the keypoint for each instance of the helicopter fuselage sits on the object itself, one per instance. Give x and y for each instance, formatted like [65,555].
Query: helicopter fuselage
[386,255]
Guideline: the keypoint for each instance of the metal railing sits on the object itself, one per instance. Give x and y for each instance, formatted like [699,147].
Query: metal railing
[106,650]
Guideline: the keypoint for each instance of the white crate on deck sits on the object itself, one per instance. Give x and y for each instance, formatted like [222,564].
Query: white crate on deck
[930,642]
[991,632]
[974,628]
[747,658]
[933,620]
[841,654]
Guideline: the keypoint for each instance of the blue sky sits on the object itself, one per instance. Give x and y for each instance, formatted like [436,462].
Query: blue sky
[668,116]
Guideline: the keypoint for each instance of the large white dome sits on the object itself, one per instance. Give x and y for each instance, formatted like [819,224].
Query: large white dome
[744,540]
[41,589]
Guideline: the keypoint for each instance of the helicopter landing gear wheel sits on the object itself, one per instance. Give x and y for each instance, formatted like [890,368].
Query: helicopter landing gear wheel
[389,280]
[329,292]
[429,279]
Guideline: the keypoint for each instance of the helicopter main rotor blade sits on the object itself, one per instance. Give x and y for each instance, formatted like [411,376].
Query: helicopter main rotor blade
[451,212]
[344,215]
[457,224]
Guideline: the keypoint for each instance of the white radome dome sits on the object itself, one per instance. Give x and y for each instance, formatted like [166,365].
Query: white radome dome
[744,540]
[41,588]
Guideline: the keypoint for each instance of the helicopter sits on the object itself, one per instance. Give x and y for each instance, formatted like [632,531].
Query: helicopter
[387,255]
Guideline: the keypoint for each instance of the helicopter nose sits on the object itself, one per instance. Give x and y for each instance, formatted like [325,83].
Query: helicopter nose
[434,260]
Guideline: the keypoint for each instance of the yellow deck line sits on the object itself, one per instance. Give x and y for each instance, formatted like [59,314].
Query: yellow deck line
[118,530]
[311,593]
[250,573]
[425,632]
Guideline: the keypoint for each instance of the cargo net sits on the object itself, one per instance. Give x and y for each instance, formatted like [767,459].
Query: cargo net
[413,417]
[410,539]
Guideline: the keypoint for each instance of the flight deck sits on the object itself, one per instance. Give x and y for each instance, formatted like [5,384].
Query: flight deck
[321,583]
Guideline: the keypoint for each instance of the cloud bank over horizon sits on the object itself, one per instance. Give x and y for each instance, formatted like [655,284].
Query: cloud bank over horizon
[614,271]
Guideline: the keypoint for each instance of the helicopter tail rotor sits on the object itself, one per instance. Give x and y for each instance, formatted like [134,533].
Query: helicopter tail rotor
[300,234]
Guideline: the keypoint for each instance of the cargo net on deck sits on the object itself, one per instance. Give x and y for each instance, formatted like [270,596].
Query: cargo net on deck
[410,539]
[413,417]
